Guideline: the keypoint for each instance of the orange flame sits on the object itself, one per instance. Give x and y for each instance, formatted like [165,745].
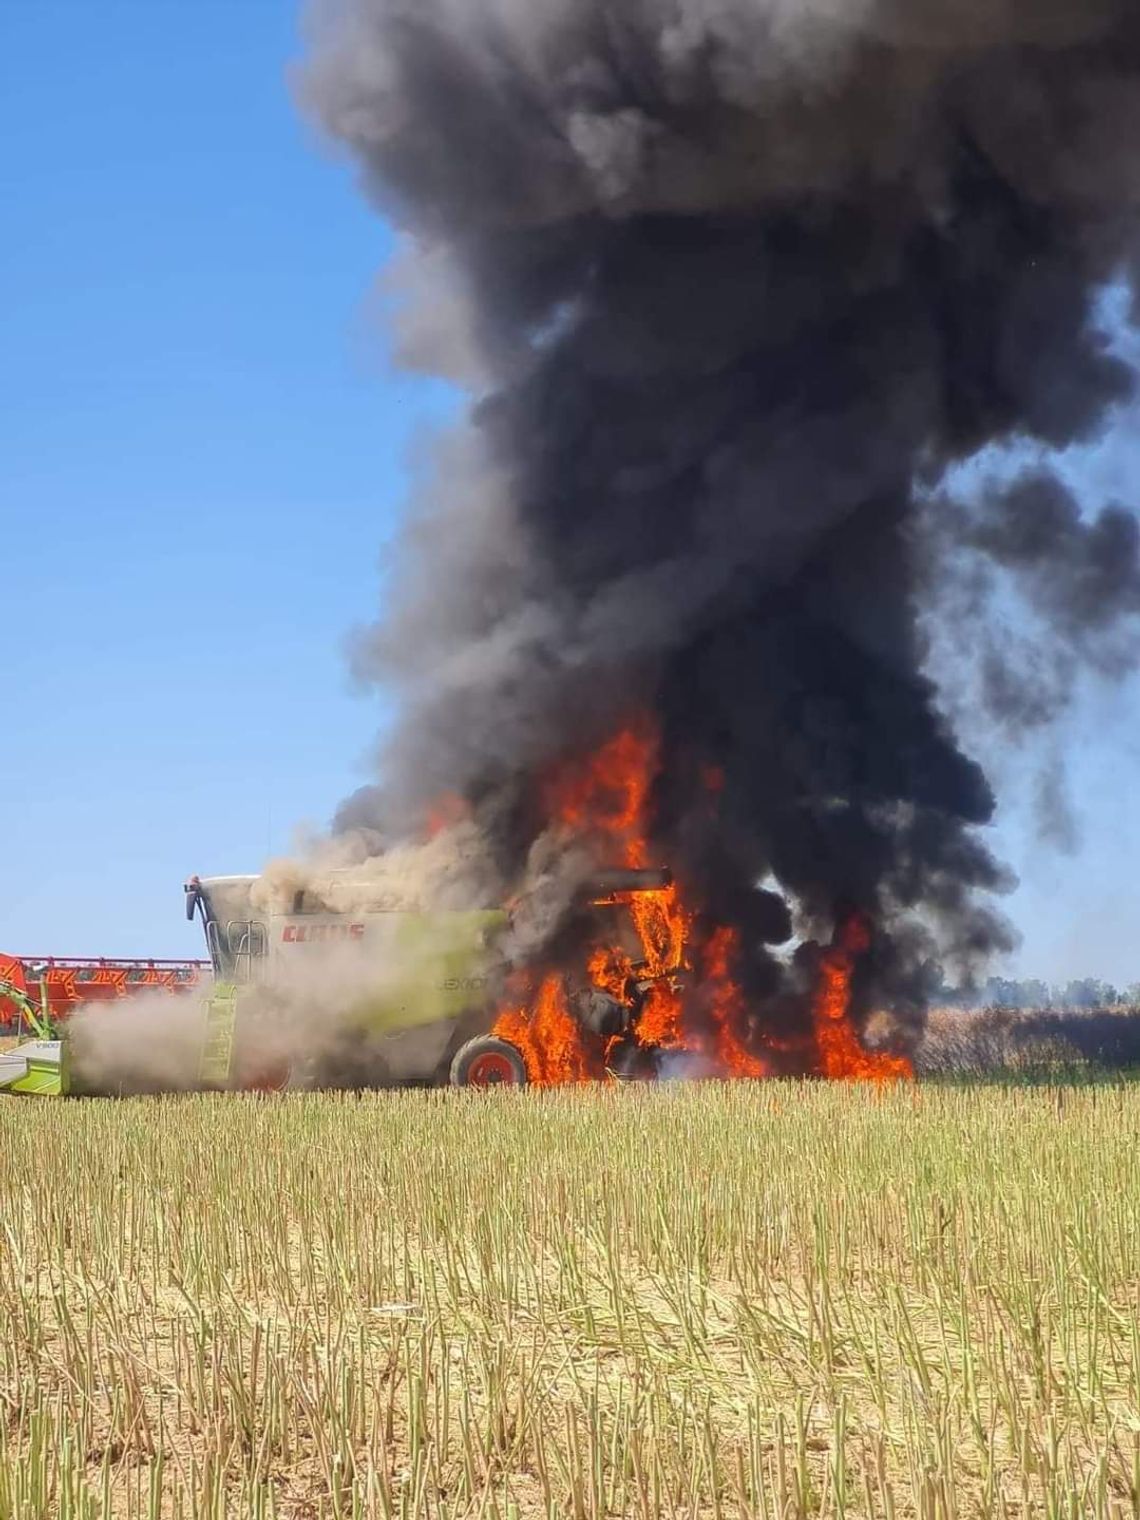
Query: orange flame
[444,813]
[726,1007]
[605,796]
[840,1053]
[549,1039]
[660,1022]
[605,800]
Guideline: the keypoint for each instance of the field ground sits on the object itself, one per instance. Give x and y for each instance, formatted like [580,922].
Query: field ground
[709,1300]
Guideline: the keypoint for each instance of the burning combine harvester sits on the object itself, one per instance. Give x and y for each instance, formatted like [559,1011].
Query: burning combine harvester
[336,983]
[412,996]
[350,979]
[624,977]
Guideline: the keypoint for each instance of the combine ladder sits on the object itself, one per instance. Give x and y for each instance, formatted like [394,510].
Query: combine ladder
[218,1045]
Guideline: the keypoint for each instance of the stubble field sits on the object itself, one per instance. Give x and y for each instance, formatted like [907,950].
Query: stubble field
[709,1300]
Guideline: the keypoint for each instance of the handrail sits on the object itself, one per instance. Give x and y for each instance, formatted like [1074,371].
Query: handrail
[39,1019]
[77,962]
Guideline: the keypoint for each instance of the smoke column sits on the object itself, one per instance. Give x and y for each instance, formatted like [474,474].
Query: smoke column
[731,284]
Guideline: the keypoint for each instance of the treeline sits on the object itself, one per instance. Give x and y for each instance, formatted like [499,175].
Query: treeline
[1002,992]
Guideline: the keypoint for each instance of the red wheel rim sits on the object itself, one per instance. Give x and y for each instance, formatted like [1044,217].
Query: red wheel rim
[491,1069]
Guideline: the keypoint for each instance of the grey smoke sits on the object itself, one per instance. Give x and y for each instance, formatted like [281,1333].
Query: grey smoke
[734,282]
[1067,582]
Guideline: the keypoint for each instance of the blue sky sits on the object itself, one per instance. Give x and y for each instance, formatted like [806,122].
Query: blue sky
[201,455]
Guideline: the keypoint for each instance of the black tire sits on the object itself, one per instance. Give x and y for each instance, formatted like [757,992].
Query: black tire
[487,1061]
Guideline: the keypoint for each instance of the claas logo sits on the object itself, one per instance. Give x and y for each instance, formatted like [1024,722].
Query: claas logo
[302,934]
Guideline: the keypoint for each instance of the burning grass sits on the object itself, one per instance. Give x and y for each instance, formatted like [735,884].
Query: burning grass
[738,1299]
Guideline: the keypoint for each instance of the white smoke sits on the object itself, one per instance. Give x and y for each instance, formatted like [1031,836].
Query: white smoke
[451,872]
[339,1013]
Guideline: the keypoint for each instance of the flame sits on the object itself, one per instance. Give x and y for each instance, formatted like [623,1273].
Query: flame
[552,1044]
[604,798]
[839,1051]
[660,1023]
[679,988]
[726,1007]
[712,776]
[606,795]
[445,812]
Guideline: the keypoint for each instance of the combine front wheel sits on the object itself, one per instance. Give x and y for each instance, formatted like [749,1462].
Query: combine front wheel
[488,1062]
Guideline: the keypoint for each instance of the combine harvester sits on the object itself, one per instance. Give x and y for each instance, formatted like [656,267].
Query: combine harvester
[39,994]
[427,1021]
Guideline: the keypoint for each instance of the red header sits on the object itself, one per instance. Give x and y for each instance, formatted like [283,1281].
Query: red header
[68,981]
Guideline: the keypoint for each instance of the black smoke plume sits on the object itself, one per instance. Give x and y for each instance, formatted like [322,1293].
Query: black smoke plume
[732,283]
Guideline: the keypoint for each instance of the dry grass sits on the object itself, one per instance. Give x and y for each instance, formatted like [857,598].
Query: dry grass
[753,1300]
[1031,1042]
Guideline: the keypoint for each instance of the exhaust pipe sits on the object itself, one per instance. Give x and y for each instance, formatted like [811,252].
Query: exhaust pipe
[608,883]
